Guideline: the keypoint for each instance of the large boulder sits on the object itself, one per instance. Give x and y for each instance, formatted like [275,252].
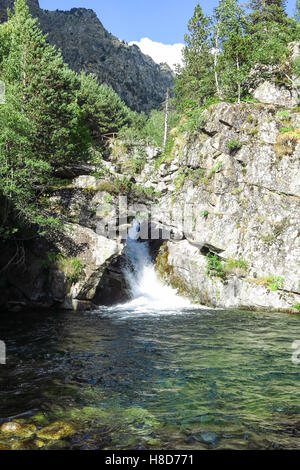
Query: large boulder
[268,93]
[96,253]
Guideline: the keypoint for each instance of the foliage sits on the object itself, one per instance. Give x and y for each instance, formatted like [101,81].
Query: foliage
[275,283]
[194,82]
[214,266]
[51,118]
[215,169]
[180,179]
[166,155]
[297,307]
[285,114]
[123,185]
[71,267]
[234,145]
[193,121]
[101,110]
[232,264]
[221,50]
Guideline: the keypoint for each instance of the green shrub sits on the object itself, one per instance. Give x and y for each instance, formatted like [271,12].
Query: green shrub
[215,169]
[214,266]
[204,214]
[283,115]
[108,198]
[71,267]
[231,264]
[107,187]
[274,283]
[297,307]
[194,121]
[166,155]
[124,184]
[234,145]
[286,129]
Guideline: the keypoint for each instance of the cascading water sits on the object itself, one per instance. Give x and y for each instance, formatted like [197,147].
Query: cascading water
[148,293]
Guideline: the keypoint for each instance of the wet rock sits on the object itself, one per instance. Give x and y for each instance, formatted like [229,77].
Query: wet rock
[57,445]
[39,443]
[4,446]
[24,445]
[190,440]
[18,429]
[208,437]
[57,430]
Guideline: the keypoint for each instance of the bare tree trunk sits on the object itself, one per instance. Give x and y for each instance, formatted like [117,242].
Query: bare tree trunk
[239,85]
[166,119]
[216,65]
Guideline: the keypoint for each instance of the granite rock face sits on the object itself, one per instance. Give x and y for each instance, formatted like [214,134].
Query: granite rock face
[270,94]
[87,45]
[232,192]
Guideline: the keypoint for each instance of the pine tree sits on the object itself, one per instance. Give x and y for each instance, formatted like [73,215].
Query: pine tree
[102,110]
[194,83]
[264,11]
[47,88]
[230,21]
[297,11]
[38,123]
[271,31]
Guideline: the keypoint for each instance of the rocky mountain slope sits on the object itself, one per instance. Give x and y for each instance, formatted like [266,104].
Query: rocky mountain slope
[225,203]
[86,45]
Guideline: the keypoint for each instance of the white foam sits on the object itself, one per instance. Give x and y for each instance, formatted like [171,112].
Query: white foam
[149,294]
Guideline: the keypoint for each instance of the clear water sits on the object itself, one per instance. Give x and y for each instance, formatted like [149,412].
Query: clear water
[183,379]
[156,372]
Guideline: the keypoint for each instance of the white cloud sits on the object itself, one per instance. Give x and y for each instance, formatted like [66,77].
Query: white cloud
[169,53]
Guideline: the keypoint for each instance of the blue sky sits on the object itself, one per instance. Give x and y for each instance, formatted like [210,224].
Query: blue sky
[160,20]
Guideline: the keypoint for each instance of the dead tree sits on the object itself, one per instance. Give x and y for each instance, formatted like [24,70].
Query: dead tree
[166,119]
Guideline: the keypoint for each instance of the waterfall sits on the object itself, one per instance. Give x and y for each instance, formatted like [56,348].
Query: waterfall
[148,293]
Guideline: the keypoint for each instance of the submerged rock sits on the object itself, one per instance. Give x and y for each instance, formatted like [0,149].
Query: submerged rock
[4,446]
[18,429]
[24,445]
[208,437]
[57,430]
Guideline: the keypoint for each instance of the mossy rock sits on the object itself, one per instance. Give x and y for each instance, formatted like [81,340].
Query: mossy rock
[57,430]
[39,443]
[40,419]
[24,445]
[57,445]
[18,429]
[4,446]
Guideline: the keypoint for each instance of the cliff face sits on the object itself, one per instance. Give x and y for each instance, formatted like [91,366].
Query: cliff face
[240,179]
[85,44]
[229,196]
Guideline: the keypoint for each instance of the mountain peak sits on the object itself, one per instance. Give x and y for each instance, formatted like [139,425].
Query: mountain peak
[86,45]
